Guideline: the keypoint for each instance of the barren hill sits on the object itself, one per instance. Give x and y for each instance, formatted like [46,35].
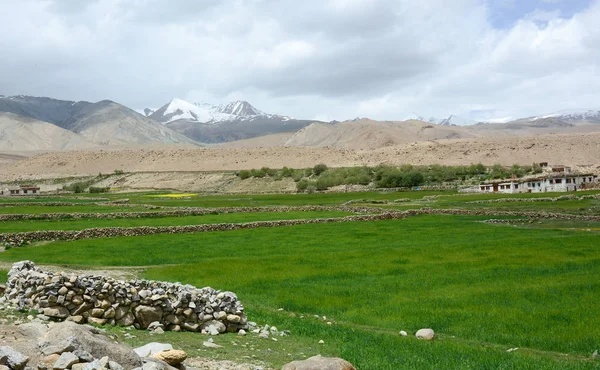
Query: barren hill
[28,134]
[109,123]
[104,123]
[369,134]
[575,150]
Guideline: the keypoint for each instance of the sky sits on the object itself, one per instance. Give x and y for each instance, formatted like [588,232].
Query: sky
[482,60]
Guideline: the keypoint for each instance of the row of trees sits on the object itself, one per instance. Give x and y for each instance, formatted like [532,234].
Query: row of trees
[320,177]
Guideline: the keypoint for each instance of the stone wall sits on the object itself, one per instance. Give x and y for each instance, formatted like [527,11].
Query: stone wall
[103,300]
[180,212]
[22,238]
[533,200]
[118,202]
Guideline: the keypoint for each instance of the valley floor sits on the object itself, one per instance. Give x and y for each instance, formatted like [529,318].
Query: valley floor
[488,278]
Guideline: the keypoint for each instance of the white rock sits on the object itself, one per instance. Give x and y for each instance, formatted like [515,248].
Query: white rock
[152,348]
[403,333]
[321,341]
[242,333]
[425,334]
[211,345]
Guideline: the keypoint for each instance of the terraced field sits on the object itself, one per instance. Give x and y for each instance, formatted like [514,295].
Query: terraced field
[483,287]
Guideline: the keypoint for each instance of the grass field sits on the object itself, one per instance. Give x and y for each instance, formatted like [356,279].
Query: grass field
[32,225]
[484,288]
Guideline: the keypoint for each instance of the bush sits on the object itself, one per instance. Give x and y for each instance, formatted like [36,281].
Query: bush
[244,174]
[302,185]
[118,172]
[268,171]
[287,172]
[257,173]
[319,169]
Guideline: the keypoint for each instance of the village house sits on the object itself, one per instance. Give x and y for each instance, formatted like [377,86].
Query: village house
[20,190]
[560,179]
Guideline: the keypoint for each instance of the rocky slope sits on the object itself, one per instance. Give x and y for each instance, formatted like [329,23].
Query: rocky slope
[28,134]
[369,134]
[573,149]
[102,123]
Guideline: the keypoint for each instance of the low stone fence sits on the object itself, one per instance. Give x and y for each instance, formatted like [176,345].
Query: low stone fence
[23,238]
[533,200]
[118,202]
[182,211]
[103,300]
[485,212]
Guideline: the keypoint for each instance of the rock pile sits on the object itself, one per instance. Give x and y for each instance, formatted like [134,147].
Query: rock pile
[141,303]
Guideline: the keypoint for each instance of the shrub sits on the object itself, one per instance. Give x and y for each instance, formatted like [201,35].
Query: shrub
[287,172]
[319,169]
[118,172]
[244,174]
[268,171]
[302,185]
[257,173]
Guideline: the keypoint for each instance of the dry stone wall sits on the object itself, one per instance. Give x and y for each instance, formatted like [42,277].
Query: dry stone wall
[23,238]
[103,300]
[179,212]
[533,200]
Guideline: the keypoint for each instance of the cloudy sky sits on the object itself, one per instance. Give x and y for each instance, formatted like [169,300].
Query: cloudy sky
[314,59]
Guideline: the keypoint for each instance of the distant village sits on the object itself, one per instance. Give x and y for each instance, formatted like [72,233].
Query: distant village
[555,178]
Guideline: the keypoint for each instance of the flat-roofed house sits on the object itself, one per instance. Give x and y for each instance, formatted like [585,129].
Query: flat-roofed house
[20,190]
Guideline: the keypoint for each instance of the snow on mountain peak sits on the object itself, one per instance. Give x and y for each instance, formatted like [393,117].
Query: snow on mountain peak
[569,115]
[179,109]
[240,108]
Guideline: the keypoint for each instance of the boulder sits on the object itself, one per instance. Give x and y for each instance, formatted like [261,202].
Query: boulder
[154,364]
[15,360]
[48,362]
[126,320]
[425,334]
[65,361]
[319,363]
[57,312]
[150,349]
[33,330]
[145,315]
[214,327]
[172,357]
[96,344]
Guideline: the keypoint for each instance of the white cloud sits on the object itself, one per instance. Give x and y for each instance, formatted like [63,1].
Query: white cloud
[340,59]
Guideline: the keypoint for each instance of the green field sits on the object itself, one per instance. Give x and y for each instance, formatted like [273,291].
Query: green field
[483,288]
[67,224]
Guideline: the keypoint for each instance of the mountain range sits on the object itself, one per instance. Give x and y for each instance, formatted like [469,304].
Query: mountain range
[30,123]
[206,123]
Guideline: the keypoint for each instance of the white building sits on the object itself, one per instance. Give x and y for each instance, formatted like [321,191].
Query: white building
[555,182]
[20,190]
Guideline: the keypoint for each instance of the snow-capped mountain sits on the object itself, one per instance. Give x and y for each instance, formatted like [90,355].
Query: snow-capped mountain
[451,120]
[240,108]
[178,109]
[572,115]
[208,123]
